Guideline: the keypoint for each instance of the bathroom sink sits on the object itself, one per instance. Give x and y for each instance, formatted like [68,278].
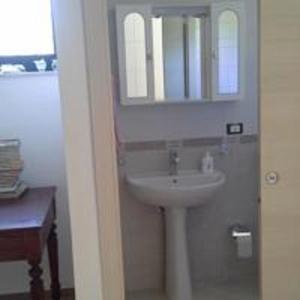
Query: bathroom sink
[187,189]
[176,193]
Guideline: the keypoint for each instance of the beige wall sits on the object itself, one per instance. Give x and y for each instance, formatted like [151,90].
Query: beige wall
[82,46]
[79,154]
[280,148]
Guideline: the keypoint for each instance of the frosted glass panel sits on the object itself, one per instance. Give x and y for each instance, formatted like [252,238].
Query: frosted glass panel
[194,58]
[135,55]
[158,59]
[228,53]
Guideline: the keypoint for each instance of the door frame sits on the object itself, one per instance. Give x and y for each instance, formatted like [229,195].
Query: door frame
[81,34]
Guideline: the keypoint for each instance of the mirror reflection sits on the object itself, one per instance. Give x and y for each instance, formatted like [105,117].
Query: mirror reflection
[177,56]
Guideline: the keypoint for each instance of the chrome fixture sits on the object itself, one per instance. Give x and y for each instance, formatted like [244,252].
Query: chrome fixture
[174,161]
[238,231]
[243,240]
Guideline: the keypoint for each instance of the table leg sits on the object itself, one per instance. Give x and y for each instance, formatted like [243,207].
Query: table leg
[36,283]
[53,261]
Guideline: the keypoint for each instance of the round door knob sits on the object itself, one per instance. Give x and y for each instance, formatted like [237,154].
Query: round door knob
[272,177]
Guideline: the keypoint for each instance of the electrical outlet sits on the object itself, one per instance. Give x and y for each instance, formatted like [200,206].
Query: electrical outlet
[234,128]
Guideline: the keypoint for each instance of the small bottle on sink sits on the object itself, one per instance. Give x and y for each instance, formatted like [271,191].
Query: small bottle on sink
[207,164]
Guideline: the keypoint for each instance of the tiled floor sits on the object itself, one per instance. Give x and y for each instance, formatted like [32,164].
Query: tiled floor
[26,297]
[65,296]
[231,291]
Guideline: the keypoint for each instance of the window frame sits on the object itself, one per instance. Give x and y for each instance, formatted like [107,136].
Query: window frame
[28,62]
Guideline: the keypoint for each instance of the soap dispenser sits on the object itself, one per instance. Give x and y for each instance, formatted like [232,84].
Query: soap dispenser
[207,164]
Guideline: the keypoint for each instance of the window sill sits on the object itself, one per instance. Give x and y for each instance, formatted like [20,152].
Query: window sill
[204,101]
[28,74]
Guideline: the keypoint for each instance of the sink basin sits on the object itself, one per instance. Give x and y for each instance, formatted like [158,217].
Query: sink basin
[176,193]
[188,188]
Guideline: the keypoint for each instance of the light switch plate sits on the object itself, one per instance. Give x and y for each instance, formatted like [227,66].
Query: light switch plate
[234,128]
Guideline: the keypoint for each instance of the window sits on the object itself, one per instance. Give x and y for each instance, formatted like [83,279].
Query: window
[26,34]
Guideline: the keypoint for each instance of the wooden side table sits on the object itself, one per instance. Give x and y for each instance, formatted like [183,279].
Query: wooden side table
[27,226]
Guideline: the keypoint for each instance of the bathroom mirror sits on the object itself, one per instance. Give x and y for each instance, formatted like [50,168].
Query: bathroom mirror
[178,57]
[180,54]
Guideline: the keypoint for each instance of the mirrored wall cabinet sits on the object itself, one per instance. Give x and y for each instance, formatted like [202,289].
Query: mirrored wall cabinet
[181,54]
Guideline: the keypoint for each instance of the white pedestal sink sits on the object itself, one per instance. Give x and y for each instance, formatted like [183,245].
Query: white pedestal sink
[176,193]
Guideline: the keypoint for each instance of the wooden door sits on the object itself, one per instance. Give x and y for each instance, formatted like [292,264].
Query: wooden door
[280,149]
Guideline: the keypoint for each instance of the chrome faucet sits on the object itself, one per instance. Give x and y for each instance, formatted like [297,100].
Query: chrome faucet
[174,161]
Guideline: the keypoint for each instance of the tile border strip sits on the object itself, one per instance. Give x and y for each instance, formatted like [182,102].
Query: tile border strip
[161,145]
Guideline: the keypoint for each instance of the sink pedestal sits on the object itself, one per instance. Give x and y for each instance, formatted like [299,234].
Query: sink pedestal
[178,281]
[175,194]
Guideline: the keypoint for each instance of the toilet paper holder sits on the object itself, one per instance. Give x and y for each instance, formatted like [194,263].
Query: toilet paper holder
[243,240]
[239,230]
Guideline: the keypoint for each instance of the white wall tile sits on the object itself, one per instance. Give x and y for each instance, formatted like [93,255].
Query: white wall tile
[212,250]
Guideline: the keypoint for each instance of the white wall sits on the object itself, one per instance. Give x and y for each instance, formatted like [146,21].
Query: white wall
[193,120]
[30,111]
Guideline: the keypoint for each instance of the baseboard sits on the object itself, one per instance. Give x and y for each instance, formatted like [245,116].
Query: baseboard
[70,293]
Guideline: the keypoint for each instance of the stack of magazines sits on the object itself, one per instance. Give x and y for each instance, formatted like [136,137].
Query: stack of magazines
[11,166]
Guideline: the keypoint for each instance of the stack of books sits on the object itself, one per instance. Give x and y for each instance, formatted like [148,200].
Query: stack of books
[11,166]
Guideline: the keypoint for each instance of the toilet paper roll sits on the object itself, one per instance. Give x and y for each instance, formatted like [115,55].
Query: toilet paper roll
[244,246]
